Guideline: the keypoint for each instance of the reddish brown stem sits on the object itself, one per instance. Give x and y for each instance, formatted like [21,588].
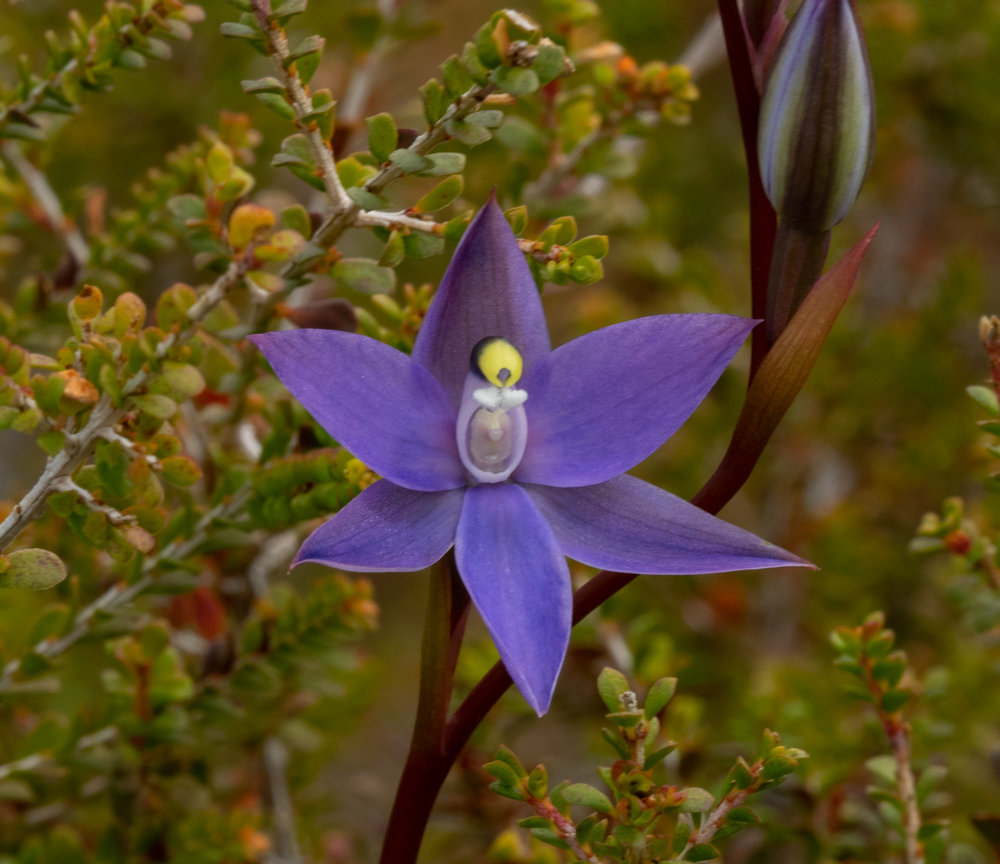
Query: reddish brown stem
[428,761]
[763,221]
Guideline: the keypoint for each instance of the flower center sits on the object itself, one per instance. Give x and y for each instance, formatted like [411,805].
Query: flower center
[492,428]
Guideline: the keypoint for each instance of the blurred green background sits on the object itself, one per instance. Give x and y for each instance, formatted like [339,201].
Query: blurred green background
[882,433]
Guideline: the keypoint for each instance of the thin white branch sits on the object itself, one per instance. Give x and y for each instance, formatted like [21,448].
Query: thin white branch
[707,49]
[127,444]
[37,760]
[302,105]
[907,792]
[396,219]
[352,107]
[286,844]
[707,830]
[46,198]
[115,517]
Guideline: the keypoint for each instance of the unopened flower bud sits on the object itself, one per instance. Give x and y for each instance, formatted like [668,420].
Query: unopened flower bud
[817,118]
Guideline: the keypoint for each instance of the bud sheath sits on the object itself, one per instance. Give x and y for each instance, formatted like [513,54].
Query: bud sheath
[817,121]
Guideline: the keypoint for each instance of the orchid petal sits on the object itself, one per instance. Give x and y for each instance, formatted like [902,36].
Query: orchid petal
[388,411]
[386,528]
[487,290]
[629,526]
[518,579]
[604,402]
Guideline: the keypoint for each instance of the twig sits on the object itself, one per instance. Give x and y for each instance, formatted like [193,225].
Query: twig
[141,23]
[115,517]
[705,51]
[302,105]
[398,219]
[128,445]
[900,741]
[120,594]
[707,830]
[355,99]
[564,825]
[41,190]
[550,179]
[104,415]
[43,757]
[275,756]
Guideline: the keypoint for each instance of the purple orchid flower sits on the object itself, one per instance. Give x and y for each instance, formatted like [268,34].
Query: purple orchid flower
[490,441]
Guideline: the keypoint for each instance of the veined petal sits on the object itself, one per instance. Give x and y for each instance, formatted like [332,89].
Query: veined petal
[387,410]
[630,526]
[386,528]
[487,290]
[511,565]
[604,402]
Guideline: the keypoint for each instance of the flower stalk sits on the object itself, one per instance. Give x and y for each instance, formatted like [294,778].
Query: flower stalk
[763,219]
[427,764]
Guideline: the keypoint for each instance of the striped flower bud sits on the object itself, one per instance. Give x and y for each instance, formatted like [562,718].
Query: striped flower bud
[817,119]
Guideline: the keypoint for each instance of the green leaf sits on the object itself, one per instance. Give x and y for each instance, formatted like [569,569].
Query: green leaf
[409,161]
[366,200]
[517,218]
[588,796]
[296,218]
[394,250]
[441,195]
[382,136]
[594,245]
[893,700]
[559,231]
[503,772]
[505,754]
[586,270]
[696,800]
[187,208]
[611,684]
[365,275]
[659,695]
[435,100]
[287,10]
[156,405]
[506,791]
[702,852]
[235,30]
[468,134]
[262,85]
[538,781]
[307,56]
[35,569]
[183,379]
[277,104]
[322,113]
[443,163]
[883,767]
[777,765]
[986,397]
[515,80]
[488,119]
[551,62]
[180,470]
[422,244]
[456,77]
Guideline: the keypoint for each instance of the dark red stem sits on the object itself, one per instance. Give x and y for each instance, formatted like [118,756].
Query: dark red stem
[429,760]
[763,220]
